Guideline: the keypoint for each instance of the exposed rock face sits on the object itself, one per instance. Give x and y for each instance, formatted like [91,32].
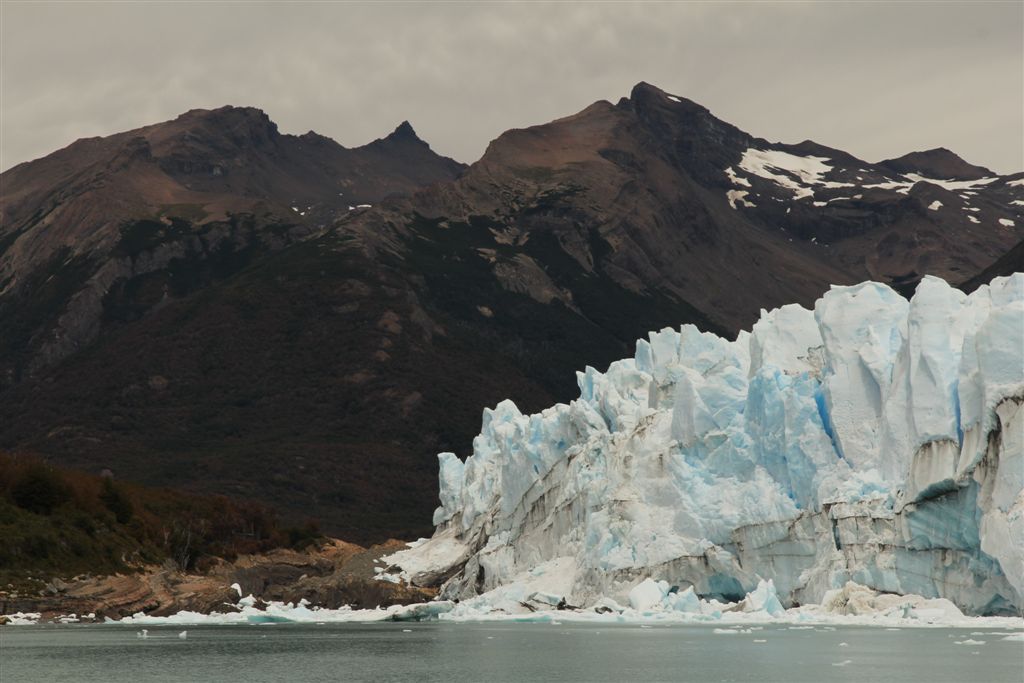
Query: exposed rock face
[243,266]
[1009,263]
[938,163]
[200,169]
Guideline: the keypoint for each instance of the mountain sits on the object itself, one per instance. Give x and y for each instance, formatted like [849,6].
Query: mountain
[871,439]
[84,214]
[194,304]
[1009,263]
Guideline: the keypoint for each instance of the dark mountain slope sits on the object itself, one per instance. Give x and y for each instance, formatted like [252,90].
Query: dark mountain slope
[80,218]
[1011,262]
[317,358]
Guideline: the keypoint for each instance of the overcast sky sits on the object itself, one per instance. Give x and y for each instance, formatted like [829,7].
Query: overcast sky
[875,79]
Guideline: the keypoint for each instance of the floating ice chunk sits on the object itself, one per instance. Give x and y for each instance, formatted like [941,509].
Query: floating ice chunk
[420,612]
[935,206]
[1006,222]
[684,601]
[607,606]
[647,595]
[763,599]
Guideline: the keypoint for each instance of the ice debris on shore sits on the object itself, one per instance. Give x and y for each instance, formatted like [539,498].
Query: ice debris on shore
[650,601]
[873,439]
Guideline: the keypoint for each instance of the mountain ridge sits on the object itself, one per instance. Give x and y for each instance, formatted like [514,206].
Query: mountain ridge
[293,345]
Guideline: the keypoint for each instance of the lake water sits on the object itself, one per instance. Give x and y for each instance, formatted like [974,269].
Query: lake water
[501,652]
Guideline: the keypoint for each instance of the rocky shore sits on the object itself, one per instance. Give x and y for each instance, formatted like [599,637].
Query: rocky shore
[329,574]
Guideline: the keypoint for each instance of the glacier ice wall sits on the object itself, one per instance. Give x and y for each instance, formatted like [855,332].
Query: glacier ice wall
[872,439]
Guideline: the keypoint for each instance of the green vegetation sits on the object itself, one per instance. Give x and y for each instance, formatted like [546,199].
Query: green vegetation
[62,523]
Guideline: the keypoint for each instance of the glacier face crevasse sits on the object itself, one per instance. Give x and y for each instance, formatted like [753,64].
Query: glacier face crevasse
[872,439]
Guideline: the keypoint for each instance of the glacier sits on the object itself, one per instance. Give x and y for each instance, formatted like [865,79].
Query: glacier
[872,444]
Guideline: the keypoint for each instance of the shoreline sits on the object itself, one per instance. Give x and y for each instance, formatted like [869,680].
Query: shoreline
[330,574]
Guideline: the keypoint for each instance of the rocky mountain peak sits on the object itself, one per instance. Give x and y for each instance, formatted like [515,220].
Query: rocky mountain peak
[223,131]
[939,163]
[644,94]
[229,116]
[404,131]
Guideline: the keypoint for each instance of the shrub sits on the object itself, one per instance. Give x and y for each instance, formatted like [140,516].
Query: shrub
[117,502]
[40,489]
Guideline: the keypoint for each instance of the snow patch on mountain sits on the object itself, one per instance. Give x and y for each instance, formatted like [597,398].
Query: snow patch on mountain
[911,179]
[738,196]
[767,163]
[872,440]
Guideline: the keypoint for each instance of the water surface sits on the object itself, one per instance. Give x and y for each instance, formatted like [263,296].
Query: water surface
[463,652]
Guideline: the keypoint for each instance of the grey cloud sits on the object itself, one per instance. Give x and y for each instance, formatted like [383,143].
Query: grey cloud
[877,80]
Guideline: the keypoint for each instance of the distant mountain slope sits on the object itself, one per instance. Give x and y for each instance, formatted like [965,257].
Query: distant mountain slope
[1009,263]
[670,201]
[79,218]
[272,343]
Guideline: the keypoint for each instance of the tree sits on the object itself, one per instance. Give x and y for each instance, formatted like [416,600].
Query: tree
[117,502]
[40,489]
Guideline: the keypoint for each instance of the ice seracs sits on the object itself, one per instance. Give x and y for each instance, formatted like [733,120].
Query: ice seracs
[872,440]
